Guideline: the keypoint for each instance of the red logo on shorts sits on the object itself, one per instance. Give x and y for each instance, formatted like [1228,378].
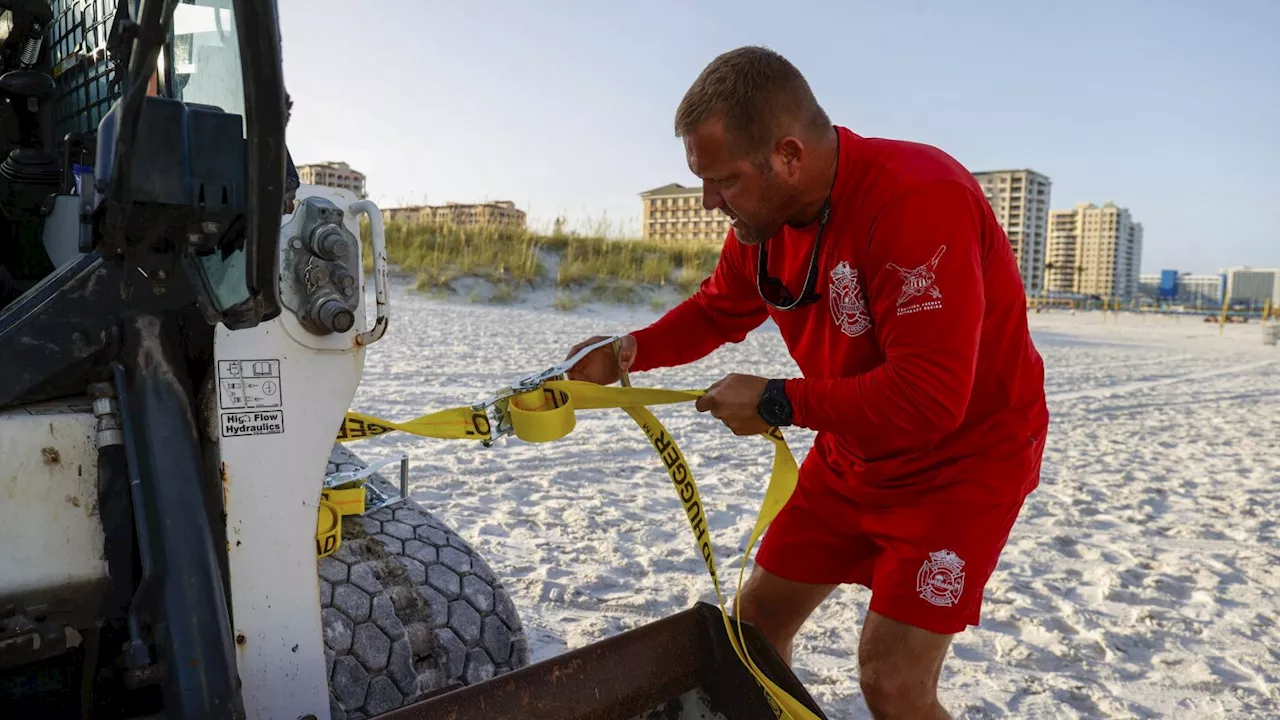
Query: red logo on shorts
[940,580]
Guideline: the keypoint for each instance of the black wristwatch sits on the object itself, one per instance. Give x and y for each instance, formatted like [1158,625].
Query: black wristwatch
[775,406]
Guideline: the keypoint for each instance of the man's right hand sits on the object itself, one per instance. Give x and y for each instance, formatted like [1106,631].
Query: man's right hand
[601,366]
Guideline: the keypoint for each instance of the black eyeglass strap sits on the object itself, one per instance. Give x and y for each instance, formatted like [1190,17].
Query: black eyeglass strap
[807,293]
[814,259]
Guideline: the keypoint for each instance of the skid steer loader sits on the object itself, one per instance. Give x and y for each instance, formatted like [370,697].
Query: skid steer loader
[178,349]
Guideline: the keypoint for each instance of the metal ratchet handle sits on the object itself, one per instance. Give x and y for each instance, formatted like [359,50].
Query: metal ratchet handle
[336,480]
[388,501]
[383,500]
[533,381]
[536,380]
[384,504]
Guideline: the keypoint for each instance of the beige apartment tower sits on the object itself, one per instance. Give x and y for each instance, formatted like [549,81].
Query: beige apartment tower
[1020,199]
[333,174]
[673,214]
[1094,251]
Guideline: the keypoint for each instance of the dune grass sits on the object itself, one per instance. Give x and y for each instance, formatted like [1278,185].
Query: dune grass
[514,259]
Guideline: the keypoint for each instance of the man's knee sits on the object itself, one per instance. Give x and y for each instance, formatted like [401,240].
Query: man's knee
[891,693]
[899,668]
[778,607]
[756,603]
[767,612]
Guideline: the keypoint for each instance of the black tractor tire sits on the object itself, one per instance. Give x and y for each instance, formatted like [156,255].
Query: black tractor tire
[409,609]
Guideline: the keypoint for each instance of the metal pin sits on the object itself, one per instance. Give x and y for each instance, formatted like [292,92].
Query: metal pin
[404,477]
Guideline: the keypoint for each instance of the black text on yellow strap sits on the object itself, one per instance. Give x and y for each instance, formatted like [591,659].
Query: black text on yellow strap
[678,469]
[354,428]
[479,425]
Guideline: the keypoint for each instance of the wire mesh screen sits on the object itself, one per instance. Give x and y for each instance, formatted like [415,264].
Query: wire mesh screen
[82,70]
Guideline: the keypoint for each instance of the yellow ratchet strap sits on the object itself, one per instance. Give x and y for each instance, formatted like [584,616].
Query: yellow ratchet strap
[548,413]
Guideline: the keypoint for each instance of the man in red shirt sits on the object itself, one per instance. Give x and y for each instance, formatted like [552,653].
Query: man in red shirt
[898,295]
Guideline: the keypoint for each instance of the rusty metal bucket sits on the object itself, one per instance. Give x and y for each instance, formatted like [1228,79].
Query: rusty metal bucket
[678,668]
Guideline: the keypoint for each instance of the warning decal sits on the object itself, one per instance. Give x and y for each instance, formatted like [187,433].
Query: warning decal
[248,384]
[261,422]
[250,398]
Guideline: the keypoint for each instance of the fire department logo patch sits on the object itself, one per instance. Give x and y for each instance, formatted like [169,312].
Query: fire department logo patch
[941,578]
[917,282]
[848,304]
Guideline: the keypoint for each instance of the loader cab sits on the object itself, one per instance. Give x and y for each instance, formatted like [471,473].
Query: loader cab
[143,162]
[63,71]
[203,66]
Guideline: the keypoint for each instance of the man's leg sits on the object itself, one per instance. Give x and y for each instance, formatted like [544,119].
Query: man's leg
[937,553]
[812,546]
[778,607]
[899,668]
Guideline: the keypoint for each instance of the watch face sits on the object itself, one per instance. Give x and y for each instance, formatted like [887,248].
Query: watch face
[775,410]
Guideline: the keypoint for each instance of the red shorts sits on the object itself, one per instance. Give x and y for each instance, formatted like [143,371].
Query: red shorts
[925,561]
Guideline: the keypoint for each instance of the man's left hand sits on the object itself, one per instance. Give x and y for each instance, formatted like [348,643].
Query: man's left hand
[735,401]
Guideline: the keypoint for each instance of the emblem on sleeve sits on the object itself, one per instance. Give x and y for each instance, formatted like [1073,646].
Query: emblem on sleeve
[941,578]
[848,304]
[919,286]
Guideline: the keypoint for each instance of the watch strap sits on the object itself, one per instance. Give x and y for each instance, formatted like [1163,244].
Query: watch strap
[775,406]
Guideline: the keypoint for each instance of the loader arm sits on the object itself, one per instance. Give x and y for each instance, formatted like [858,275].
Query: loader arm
[282,389]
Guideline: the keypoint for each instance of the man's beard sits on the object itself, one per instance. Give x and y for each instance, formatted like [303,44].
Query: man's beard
[751,235]
[772,202]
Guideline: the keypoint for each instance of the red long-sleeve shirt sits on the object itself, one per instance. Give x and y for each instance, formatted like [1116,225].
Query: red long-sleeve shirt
[918,367]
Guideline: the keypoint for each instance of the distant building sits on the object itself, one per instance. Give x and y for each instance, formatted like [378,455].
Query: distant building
[408,214]
[1062,249]
[1168,287]
[1181,287]
[674,214]
[1200,289]
[502,213]
[1149,284]
[1094,251]
[333,174]
[1020,200]
[1253,286]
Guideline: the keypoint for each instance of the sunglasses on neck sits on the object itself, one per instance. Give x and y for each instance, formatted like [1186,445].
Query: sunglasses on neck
[773,291]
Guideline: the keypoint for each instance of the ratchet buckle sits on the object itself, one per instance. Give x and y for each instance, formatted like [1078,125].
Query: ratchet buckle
[496,407]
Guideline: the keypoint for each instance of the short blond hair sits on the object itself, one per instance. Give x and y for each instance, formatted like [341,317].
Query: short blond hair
[760,95]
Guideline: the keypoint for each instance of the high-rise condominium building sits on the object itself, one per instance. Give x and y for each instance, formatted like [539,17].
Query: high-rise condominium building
[1020,199]
[1093,250]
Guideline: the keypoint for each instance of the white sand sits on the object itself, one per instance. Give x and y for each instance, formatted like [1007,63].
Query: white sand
[1140,581]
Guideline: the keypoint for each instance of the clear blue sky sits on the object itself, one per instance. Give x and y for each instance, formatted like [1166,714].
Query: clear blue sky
[1171,109]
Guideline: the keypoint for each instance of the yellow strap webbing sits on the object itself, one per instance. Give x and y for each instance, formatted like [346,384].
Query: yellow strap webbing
[548,414]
